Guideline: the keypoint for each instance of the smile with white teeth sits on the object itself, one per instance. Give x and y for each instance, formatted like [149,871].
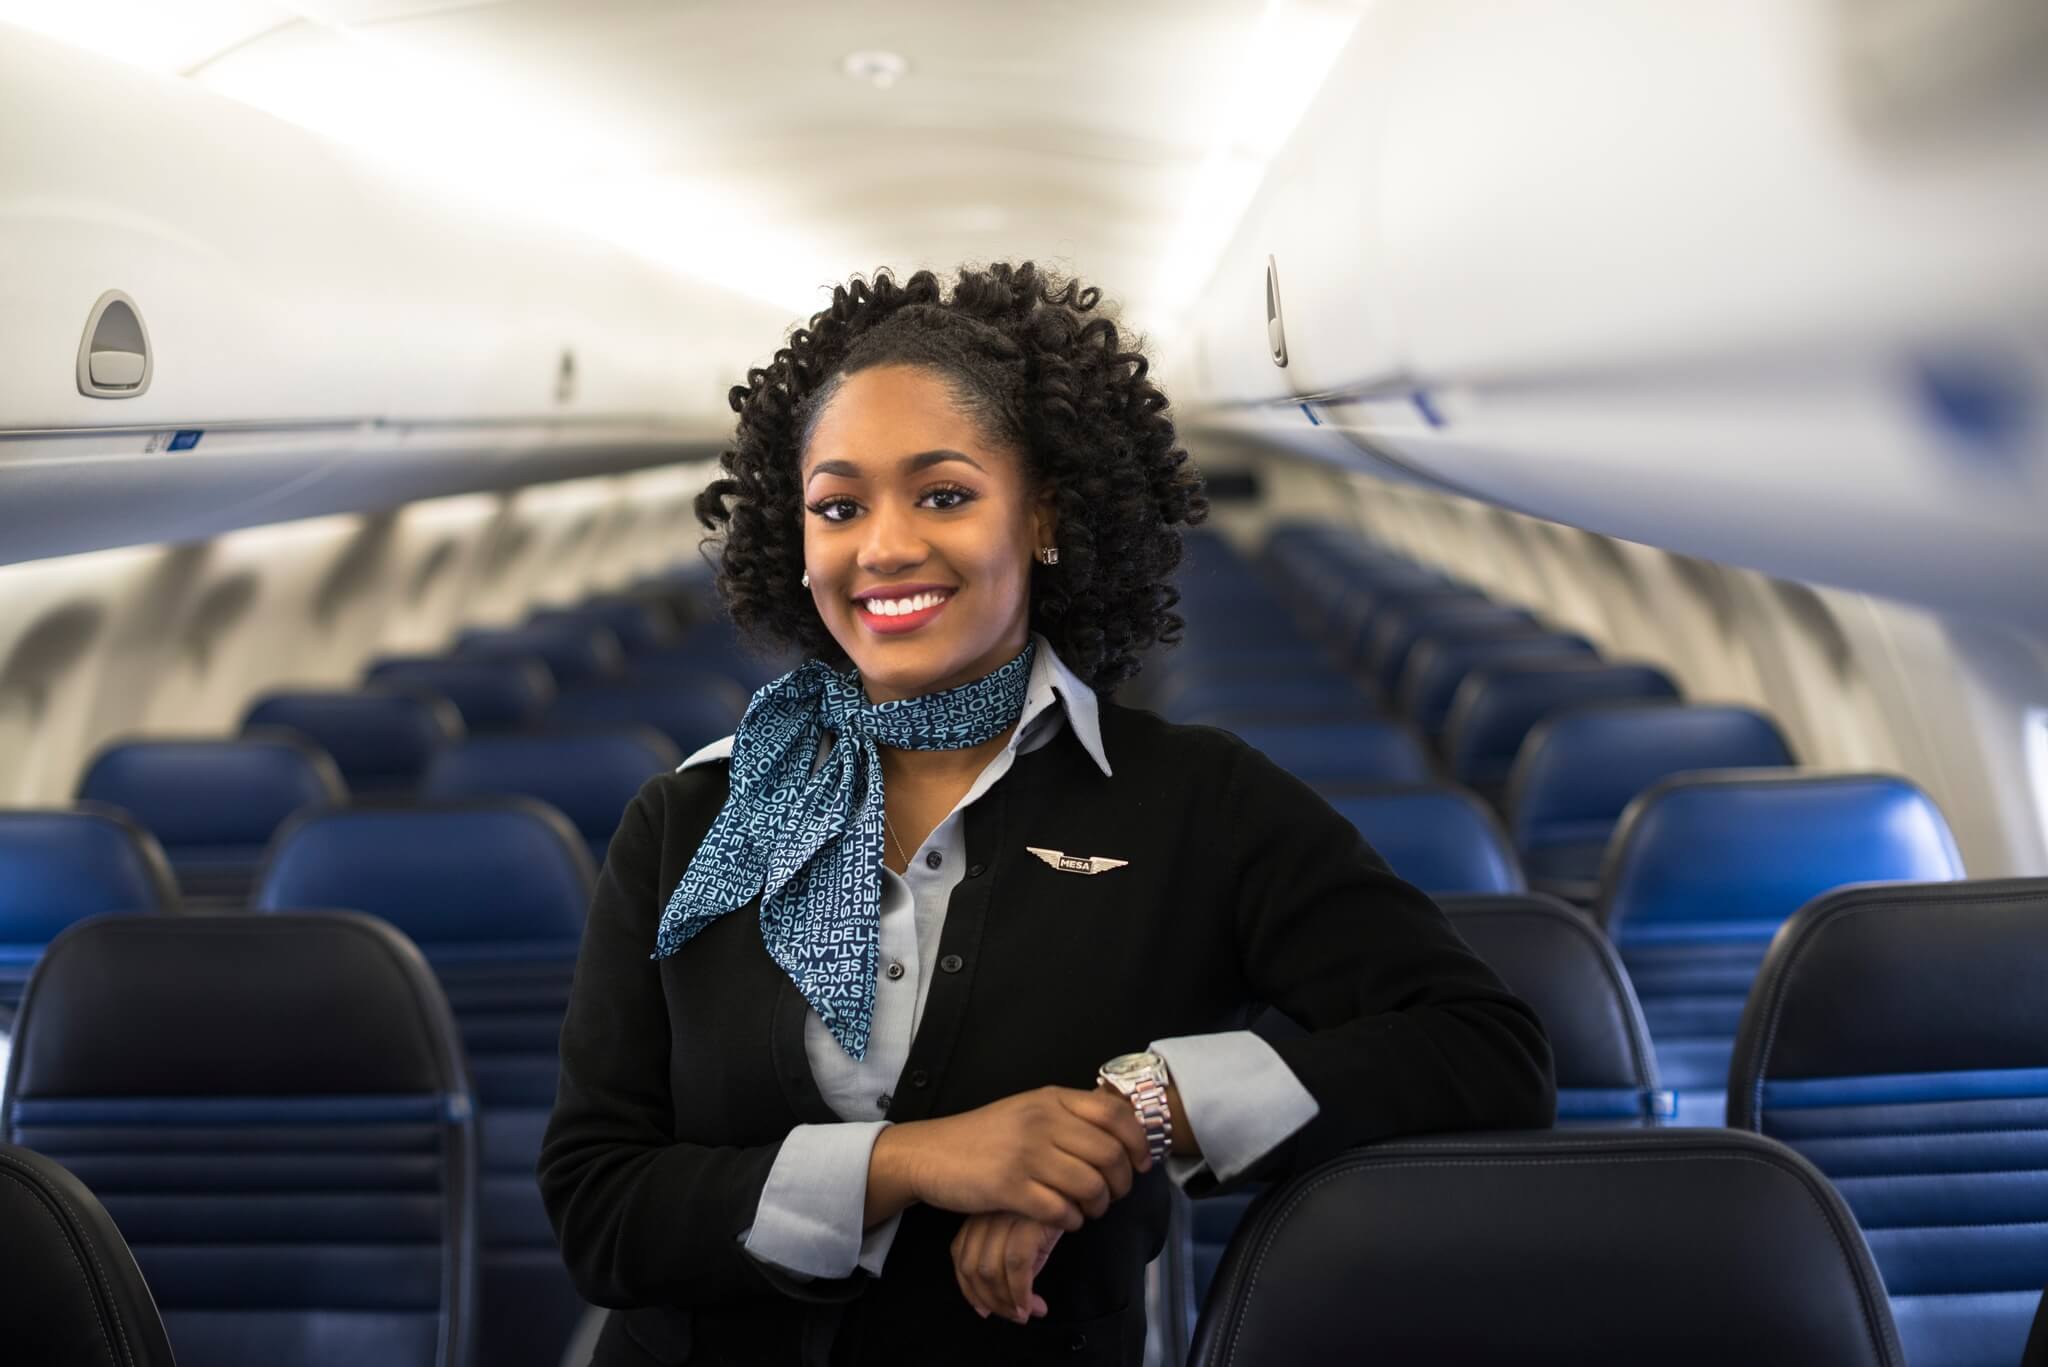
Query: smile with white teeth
[897,607]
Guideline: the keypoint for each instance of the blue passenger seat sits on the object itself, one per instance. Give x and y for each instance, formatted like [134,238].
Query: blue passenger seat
[214,804]
[380,739]
[56,869]
[1898,1037]
[492,695]
[642,624]
[1440,839]
[274,1112]
[575,651]
[588,776]
[1340,752]
[1220,701]
[1397,626]
[71,1293]
[1704,869]
[691,707]
[1572,1248]
[494,893]
[1441,661]
[1498,702]
[1581,766]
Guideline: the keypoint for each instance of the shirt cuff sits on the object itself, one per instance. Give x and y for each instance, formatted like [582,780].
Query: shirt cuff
[1239,1096]
[809,1218]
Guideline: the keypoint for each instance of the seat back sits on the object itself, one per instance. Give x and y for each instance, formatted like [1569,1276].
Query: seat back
[274,1112]
[57,868]
[1580,766]
[588,776]
[1318,696]
[214,804]
[72,1293]
[1439,664]
[1704,868]
[1399,624]
[1358,751]
[576,651]
[1440,839]
[1557,1249]
[1898,1037]
[380,739]
[1557,960]
[641,623]
[494,892]
[498,694]
[1495,707]
[691,707]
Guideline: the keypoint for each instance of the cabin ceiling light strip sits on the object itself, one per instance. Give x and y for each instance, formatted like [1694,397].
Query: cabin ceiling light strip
[1290,55]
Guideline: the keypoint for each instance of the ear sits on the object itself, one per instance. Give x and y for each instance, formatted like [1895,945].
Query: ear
[1045,520]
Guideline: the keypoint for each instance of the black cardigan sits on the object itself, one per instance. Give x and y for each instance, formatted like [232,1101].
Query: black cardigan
[681,1076]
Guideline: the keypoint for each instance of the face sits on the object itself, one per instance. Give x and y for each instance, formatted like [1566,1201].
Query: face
[919,532]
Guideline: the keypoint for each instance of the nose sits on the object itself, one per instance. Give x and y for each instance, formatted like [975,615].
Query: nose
[891,544]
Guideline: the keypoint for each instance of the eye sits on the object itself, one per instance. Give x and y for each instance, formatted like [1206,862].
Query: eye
[833,509]
[946,497]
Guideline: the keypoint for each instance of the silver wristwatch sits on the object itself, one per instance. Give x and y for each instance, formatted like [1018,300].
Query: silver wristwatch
[1143,1078]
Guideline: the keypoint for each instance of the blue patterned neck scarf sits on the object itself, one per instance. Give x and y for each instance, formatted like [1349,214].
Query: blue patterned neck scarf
[811,843]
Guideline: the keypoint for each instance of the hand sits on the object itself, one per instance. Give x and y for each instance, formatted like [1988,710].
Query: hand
[996,1257]
[1056,1155]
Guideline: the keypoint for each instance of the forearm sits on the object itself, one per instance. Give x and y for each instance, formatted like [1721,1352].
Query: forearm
[890,1192]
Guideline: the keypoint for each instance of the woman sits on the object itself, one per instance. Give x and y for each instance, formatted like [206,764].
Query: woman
[836,1074]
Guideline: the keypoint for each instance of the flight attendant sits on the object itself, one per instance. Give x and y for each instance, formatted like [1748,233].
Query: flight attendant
[896,1012]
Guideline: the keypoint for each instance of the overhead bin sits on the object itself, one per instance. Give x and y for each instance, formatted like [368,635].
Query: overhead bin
[1629,267]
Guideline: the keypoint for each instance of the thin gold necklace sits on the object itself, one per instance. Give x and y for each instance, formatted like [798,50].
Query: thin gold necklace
[890,826]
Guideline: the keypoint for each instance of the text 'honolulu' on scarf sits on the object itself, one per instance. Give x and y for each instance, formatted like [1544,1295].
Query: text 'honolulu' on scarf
[809,837]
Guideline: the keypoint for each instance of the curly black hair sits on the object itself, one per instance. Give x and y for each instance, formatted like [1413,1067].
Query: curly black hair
[1021,351]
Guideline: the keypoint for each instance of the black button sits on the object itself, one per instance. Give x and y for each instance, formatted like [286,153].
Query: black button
[920,1078]
[974,870]
[934,859]
[882,1102]
[952,963]
[1076,1341]
[894,970]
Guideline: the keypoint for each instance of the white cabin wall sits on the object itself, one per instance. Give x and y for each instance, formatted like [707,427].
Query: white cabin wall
[177,639]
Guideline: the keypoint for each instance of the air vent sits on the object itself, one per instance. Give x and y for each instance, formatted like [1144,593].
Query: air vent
[114,360]
[1276,331]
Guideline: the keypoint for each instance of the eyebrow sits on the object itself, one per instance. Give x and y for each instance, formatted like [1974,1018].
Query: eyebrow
[923,460]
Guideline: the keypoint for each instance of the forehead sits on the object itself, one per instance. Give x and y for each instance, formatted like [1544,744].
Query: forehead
[890,411]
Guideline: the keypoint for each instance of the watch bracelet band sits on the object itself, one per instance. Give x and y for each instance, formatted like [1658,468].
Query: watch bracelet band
[1154,1115]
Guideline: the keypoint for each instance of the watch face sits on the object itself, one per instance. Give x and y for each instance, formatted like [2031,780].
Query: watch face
[1131,1066]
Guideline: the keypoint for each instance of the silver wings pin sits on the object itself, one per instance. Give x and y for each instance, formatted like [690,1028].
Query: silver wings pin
[1074,863]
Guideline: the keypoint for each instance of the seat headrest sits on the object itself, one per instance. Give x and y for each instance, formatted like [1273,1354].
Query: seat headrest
[370,734]
[1438,664]
[690,706]
[1687,1248]
[1440,839]
[72,1293]
[1897,980]
[490,871]
[1364,750]
[499,694]
[1749,849]
[1399,622]
[61,867]
[1554,958]
[638,623]
[574,650]
[214,792]
[1586,763]
[232,1005]
[1496,704]
[1216,700]
[589,777]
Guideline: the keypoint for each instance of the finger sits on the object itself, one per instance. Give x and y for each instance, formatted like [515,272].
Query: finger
[967,1266]
[1099,1150]
[1037,1201]
[989,1277]
[1020,1258]
[1074,1179]
[1110,1111]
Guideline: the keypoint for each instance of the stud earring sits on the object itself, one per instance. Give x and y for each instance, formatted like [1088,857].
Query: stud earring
[1048,555]
[807,578]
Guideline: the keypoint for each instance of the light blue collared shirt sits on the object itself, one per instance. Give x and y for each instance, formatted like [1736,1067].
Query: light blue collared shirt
[1237,1093]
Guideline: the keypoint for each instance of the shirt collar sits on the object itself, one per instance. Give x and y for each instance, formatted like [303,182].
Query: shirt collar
[1051,682]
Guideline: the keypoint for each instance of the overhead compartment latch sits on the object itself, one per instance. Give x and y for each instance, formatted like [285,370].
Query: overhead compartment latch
[114,360]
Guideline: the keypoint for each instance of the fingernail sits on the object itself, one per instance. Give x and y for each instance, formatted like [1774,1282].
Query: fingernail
[979,1311]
